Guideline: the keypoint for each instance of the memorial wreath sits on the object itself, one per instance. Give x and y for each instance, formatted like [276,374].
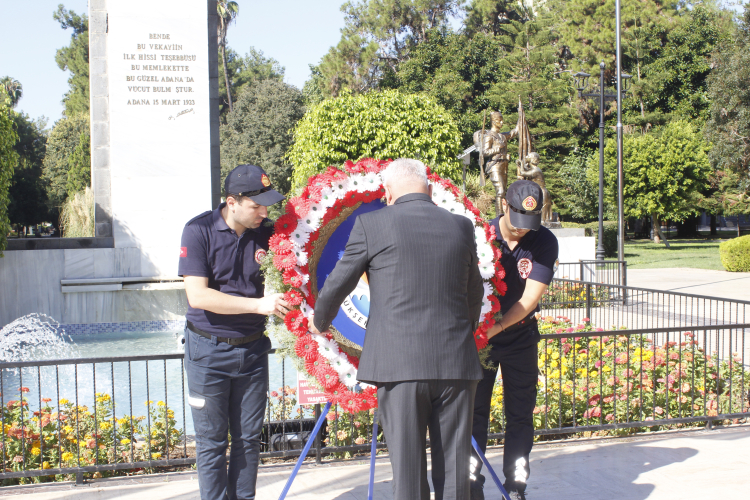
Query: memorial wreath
[308,241]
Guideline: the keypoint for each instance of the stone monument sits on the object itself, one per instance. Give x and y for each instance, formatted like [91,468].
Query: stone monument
[154,120]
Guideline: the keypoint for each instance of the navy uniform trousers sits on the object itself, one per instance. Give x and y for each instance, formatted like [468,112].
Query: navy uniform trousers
[520,376]
[228,390]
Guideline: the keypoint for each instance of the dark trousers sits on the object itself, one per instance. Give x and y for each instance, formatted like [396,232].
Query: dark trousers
[228,391]
[520,375]
[406,410]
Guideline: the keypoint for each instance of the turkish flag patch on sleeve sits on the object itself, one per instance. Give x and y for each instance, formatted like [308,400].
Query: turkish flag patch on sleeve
[183,251]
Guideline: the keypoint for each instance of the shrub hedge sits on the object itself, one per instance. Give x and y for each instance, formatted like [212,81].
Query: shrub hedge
[735,254]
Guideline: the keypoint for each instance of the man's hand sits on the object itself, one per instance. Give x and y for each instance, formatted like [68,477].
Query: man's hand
[273,304]
[311,327]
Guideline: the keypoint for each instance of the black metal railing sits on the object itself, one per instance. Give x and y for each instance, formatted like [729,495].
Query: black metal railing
[610,272]
[76,416]
[611,358]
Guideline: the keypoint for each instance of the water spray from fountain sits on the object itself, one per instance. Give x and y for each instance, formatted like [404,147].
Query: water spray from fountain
[35,337]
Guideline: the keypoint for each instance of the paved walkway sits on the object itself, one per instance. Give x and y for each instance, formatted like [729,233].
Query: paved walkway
[695,281]
[691,464]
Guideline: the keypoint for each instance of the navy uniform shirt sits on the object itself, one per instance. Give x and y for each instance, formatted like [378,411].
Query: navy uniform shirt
[210,249]
[533,258]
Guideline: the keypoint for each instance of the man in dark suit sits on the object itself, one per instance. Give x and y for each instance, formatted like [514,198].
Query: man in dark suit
[426,294]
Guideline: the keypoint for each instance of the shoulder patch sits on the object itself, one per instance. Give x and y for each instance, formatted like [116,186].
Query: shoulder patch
[524,267]
[204,214]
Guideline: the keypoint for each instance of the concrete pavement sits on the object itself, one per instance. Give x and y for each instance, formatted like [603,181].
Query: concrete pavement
[694,281]
[667,466]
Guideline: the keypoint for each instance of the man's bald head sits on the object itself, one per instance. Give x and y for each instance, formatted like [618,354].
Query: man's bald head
[405,176]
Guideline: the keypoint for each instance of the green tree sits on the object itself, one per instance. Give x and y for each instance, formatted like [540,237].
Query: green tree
[28,198]
[728,125]
[61,145]
[247,70]
[259,130]
[79,166]
[531,63]
[377,36]
[387,124]
[579,192]
[75,58]
[665,172]
[488,16]
[8,161]
[678,75]
[457,71]
[13,88]
[227,12]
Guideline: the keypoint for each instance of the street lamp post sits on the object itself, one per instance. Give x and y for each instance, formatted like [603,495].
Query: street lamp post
[581,82]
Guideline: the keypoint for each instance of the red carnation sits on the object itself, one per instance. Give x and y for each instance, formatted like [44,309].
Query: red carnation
[295,321]
[353,403]
[298,206]
[280,244]
[327,376]
[353,360]
[428,170]
[480,339]
[315,192]
[494,302]
[499,270]
[311,365]
[306,348]
[309,299]
[284,261]
[293,297]
[286,224]
[501,288]
[291,277]
[336,393]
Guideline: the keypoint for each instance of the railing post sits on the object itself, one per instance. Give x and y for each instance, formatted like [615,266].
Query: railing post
[580,272]
[318,451]
[588,301]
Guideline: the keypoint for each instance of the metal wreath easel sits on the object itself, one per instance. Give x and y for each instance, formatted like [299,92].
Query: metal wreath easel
[373,450]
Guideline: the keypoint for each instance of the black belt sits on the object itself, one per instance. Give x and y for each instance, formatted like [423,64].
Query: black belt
[228,340]
[529,320]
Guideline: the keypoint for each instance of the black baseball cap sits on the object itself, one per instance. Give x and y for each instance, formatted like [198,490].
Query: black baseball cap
[252,182]
[525,204]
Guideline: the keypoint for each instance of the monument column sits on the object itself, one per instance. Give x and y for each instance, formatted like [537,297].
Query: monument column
[154,122]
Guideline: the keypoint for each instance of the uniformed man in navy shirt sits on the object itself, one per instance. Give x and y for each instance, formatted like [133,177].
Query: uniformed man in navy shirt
[529,253]
[226,351]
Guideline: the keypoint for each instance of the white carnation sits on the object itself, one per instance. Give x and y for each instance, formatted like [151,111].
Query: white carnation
[306,310]
[300,237]
[349,376]
[327,348]
[487,270]
[372,181]
[357,183]
[485,254]
[327,197]
[340,187]
[301,257]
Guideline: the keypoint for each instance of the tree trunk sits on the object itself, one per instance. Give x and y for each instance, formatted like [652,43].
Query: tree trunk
[713,225]
[226,75]
[658,234]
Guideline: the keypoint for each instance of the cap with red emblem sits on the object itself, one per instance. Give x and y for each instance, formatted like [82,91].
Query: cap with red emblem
[253,182]
[525,204]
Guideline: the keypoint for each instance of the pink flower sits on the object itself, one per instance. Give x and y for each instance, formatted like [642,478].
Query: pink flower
[586,320]
[659,410]
[592,413]
[609,417]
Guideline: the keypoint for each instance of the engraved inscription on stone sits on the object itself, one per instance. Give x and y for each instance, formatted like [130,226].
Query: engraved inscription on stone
[157,71]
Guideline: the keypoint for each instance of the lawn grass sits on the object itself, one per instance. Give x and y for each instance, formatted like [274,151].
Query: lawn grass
[696,254]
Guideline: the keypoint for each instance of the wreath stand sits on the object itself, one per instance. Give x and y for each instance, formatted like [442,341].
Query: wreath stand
[373,450]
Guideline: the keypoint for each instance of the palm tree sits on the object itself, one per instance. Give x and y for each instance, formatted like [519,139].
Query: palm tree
[227,13]
[13,88]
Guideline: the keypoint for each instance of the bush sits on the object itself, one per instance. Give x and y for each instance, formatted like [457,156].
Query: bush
[77,216]
[382,125]
[610,234]
[735,254]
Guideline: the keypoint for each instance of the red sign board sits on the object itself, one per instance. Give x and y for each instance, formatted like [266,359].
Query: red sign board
[308,394]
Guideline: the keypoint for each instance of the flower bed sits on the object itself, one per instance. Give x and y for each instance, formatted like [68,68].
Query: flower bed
[77,436]
[620,378]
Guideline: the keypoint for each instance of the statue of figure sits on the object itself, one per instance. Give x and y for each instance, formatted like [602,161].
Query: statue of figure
[496,148]
[529,169]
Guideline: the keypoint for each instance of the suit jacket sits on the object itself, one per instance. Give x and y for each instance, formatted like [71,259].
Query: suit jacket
[425,292]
